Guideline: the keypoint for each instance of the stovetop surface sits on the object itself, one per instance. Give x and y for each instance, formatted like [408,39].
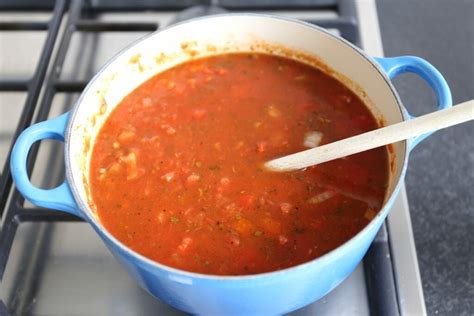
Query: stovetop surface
[57,265]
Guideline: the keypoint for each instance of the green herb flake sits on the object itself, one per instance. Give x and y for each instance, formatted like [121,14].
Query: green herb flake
[299,230]
[300,177]
[174,219]
[258,233]
[214,167]
[339,211]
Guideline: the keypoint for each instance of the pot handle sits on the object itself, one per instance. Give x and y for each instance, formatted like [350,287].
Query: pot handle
[59,198]
[394,66]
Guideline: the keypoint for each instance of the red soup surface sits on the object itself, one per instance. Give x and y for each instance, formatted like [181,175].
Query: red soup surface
[176,170]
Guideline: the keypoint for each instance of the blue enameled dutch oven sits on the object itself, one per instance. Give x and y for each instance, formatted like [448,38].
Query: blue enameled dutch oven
[267,293]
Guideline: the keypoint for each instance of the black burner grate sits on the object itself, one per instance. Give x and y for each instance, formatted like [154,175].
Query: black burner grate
[72,16]
[140,5]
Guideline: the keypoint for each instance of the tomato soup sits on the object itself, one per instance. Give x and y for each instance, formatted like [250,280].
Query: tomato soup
[176,170]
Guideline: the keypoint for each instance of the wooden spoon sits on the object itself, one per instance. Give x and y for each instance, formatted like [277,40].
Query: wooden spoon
[460,113]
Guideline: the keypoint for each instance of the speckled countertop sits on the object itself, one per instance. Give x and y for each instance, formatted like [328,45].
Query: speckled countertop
[440,179]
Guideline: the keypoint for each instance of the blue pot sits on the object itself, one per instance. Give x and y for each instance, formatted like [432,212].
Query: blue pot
[268,293]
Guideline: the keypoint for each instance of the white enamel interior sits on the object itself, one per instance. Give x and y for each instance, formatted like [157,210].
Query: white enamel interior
[211,35]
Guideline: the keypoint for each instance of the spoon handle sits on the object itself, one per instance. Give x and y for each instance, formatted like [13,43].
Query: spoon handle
[460,113]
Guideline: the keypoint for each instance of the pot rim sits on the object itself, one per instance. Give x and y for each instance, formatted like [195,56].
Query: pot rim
[231,278]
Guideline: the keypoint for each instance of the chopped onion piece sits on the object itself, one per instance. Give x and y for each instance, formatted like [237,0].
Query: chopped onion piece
[225,181]
[193,178]
[185,243]
[321,197]
[312,139]
[273,111]
[161,217]
[126,136]
[131,163]
[168,176]
[147,102]
[261,147]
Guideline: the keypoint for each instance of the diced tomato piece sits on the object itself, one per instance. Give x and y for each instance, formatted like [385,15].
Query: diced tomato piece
[199,219]
[168,129]
[224,182]
[282,239]
[196,68]
[185,169]
[234,240]
[247,200]
[192,82]
[199,114]
[180,89]
[207,70]
[261,147]
[162,217]
[316,223]
[286,207]
[244,227]
[170,85]
[308,107]
[363,120]
[221,71]
[271,226]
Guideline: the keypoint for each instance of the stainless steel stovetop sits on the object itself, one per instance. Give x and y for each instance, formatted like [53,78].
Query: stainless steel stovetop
[60,266]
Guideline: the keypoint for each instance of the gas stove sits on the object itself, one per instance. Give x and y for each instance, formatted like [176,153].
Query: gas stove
[52,263]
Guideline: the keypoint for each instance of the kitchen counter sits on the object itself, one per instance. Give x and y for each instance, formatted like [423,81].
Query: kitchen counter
[440,178]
